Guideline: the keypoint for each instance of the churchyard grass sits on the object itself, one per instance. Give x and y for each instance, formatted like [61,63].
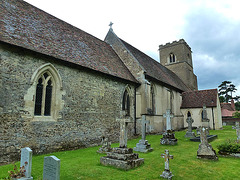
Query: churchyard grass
[85,163]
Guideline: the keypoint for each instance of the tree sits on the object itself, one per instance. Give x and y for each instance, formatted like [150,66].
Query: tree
[237,106]
[226,89]
[236,114]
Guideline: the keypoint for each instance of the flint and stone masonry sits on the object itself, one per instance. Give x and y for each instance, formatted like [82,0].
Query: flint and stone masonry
[88,106]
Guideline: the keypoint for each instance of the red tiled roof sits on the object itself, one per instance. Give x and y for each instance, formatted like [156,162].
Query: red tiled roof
[196,99]
[155,70]
[227,113]
[24,25]
[227,106]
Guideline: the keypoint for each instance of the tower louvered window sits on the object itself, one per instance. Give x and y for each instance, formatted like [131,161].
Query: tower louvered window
[172,58]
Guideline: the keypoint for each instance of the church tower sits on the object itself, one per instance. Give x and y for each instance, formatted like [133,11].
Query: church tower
[177,56]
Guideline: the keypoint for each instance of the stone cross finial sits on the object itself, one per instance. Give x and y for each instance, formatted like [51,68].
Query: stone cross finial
[167,174]
[168,117]
[166,156]
[123,131]
[110,24]
[189,121]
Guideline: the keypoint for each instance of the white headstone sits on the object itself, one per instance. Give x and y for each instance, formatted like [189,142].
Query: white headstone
[51,168]
[168,117]
[26,161]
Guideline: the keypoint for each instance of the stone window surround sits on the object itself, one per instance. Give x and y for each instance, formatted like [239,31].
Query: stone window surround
[57,92]
[172,58]
[130,93]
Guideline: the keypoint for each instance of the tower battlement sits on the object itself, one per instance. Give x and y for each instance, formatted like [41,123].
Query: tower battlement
[181,41]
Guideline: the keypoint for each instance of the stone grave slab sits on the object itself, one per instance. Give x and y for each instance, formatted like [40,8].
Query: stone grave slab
[26,161]
[51,168]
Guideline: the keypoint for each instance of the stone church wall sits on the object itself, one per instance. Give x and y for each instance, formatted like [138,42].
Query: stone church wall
[90,104]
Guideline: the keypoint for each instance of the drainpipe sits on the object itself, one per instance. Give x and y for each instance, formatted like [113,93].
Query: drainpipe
[213,119]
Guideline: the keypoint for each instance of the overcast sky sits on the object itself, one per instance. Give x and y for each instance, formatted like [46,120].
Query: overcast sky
[210,27]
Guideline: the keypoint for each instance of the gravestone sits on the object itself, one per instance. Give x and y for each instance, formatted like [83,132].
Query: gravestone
[189,133]
[26,161]
[237,127]
[205,150]
[167,174]
[51,168]
[168,136]
[106,145]
[122,157]
[205,120]
[143,145]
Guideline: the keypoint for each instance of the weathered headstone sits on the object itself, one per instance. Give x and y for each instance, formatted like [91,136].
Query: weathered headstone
[189,133]
[205,150]
[167,174]
[237,127]
[143,145]
[106,145]
[168,136]
[168,117]
[205,120]
[122,157]
[26,161]
[51,168]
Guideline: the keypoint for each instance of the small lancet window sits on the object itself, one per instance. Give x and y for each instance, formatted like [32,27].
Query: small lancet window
[126,103]
[152,99]
[172,58]
[43,95]
[189,114]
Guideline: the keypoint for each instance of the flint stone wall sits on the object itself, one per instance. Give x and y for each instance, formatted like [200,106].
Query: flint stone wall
[91,102]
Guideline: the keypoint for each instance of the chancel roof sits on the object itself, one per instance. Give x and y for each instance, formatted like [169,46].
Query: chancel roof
[24,25]
[197,99]
[155,70]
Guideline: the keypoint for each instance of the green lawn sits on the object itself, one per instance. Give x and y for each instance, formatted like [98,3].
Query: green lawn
[85,163]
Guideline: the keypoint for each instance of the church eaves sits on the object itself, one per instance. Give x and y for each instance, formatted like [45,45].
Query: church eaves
[29,27]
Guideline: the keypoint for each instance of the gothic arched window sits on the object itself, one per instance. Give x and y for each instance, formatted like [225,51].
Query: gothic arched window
[172,58]
[126,103]
[43,99]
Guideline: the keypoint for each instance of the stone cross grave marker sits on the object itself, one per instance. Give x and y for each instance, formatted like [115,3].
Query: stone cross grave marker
[189,132]
[203,135]
[51,168]
[144,123]
[167,173]
[123,131]
[168,117]
[26,161]
[237,127]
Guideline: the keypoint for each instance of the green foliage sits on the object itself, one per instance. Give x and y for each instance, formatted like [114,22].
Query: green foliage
[236,114]
[237,106]
[222,99]
[231,146]
[85,163]
[226,88]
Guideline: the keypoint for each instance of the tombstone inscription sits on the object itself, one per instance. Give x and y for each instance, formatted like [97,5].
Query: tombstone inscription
[26,161]
[51,168]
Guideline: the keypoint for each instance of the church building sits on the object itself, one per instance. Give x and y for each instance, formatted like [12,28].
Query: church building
[62,88]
